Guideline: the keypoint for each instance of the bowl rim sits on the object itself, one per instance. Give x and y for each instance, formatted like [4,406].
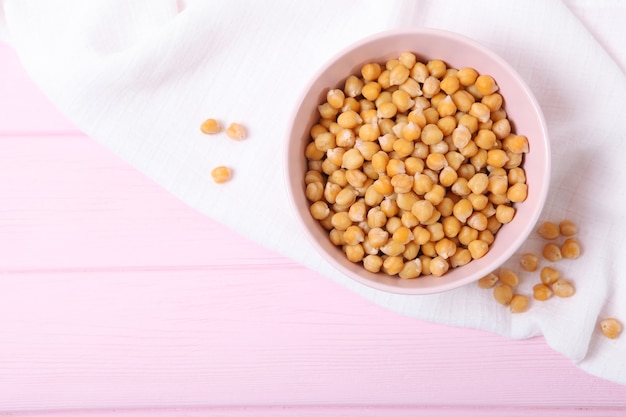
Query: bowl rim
[306,90]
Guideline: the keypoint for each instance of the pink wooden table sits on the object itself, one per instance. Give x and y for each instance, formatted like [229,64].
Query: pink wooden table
[118,300]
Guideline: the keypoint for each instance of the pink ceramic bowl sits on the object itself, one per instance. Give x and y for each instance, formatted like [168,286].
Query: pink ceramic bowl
[457,51]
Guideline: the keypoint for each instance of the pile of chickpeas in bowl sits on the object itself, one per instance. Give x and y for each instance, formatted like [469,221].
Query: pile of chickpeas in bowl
[416,161]
[413,166]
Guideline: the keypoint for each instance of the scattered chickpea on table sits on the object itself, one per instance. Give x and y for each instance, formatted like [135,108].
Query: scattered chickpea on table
[551,283]
[235,131]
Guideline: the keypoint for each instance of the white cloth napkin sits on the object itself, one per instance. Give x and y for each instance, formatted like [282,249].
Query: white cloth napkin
[140,76]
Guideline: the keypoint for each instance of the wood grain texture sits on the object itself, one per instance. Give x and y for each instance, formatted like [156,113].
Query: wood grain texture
[199,338]
[117,299]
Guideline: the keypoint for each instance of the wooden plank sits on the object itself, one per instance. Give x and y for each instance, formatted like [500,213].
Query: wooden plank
[255,336]
[68,203]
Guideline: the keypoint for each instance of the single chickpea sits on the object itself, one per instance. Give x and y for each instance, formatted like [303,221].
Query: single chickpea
[236,131]
[548,230]
[439,266]
[518,303]
[461,257]
[478,221]
[369,132]
[462,210]
[493,225]
[403,147]
[325,141]
[349,119]
[392,265]
[210,127]
[411,251]
[408,59]
[436,68]
[353,235]
[478,183]
[341,221]
[421,235]
[314,191]
[430,87]
[411,87]
[516,144]
[479,202]
[398,75]
[488,281]
[221,174]
[503,294]
[516,175]
[357,178]
[517,192]
[467,76]
[446,107]
[493,101]
[371,90]
[497,157]
[568,228]
[501,128]
[445,248]
[429,250]
[549,275]
[498,184]
[552,252]
[445,206]
[312,176]
[461,136]
[610,328]
[336,237]
[467,235]
[373,263]
[354,253]
[486,84]
[450,84]
[336,98]
[358,211]
[542,292]
[385,79]
[504,213]
[312,153]
[570,248]
[346,197]
[480,112]
[478,248]
[431,134]
[529,262]
[405,201]
[485,139]
[411,269]
[371,71]
[419,72]
[402,235]
[352,86]
[563,288]
[508,277]
[319,210]
[378,236]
